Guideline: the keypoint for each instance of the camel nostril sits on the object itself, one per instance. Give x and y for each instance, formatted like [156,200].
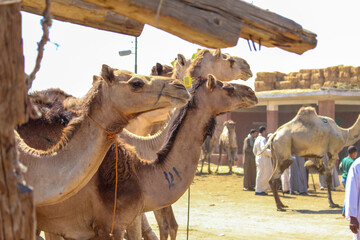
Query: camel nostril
[178,85]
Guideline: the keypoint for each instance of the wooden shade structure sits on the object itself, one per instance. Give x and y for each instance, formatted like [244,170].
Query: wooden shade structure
[210,23]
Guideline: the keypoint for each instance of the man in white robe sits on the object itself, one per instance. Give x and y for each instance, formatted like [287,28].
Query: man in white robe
[352,198]
[263,163]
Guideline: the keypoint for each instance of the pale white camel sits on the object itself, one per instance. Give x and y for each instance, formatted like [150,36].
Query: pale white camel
[312,136]
[228,143]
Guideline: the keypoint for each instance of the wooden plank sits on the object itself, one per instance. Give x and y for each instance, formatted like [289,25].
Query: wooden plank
[214,29]
[17,217]
[214,23]
[82,13]
[5,2]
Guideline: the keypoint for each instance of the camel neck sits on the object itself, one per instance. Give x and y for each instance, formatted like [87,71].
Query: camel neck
[176,165]
[67,170]
[353,133]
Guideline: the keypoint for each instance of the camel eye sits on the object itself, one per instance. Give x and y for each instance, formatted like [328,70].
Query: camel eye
[136,83]
[229,88]
[232,61]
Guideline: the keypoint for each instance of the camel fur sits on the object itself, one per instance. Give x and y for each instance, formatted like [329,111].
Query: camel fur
[311,136]
[228,143]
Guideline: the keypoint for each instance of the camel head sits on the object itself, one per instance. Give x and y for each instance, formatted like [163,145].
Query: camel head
[230,124]
[219,97]
[222,65]
[133,94]
[161,70]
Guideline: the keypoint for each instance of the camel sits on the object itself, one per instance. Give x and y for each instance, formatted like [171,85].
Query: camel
[207,150]
[312,136]
[228,143]
[222,65]
[145,185]
[83,144]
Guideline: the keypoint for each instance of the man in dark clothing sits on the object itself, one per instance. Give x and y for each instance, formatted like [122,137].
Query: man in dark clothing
[249,161]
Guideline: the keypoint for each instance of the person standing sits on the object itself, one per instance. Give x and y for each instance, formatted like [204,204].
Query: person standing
[298,177]
[263,163]
[345,165]
[249,161]
[352,198]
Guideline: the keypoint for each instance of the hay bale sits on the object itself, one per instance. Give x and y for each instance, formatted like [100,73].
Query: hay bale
[329,84]
[262,86]
[267,77]
[286,85]
[331,73]
[317,78]
[305,76]
[303,84]
[315,86]
[355,80]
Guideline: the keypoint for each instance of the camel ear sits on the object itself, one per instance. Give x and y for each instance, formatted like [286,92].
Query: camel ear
[107,73]
[159,68]
[211,82]
[96,78]
[181,59]
[218,53]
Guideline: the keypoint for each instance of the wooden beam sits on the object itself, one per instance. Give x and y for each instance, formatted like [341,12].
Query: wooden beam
[86,14]
[214,23]
[17,211]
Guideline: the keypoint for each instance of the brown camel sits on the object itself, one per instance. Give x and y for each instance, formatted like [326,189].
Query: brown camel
[312,136]
[222,66]
[83,145]
[207,150]
[143,185]
[228,143]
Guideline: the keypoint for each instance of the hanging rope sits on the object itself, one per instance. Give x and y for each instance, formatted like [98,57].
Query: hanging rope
[46,24]
[188,215]
[111,136]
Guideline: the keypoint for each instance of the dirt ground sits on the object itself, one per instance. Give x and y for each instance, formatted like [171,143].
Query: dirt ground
[220,209]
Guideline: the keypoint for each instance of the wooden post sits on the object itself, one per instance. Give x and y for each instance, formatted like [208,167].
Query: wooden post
[17,215]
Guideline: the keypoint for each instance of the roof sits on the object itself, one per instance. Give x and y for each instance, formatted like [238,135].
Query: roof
[306,96]
[210,23]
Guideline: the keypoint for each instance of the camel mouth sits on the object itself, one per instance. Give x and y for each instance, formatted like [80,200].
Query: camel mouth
[246,75]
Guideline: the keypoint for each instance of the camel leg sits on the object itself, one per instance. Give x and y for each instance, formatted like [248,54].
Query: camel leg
[52,236]
[228,159]
[220,152]
[172,222]
[202,165]
[275,181]
[160,216]
[134,229]
[329,186]
[146,230]
[208,157]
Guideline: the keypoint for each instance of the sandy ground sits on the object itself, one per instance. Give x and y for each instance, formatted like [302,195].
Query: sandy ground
[220,209]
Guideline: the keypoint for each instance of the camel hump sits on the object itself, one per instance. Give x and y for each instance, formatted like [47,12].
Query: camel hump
[50,104]
[306,111]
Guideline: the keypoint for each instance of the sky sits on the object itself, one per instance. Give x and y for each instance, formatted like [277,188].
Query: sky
[76,53]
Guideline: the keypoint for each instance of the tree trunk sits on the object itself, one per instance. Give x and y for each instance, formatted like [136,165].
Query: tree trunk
[17,215]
